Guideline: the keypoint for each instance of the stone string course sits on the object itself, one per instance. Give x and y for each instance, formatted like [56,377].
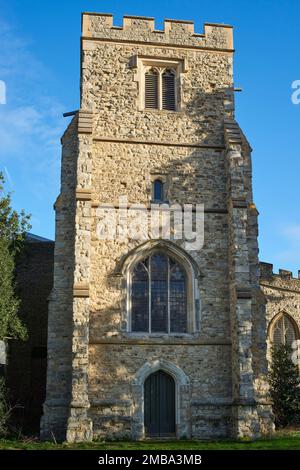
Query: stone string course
[93,360]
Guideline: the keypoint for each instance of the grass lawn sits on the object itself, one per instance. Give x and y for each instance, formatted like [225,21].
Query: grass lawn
[285,440]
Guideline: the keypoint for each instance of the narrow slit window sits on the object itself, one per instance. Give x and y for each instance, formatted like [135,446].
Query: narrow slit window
[151,89]
[158,190]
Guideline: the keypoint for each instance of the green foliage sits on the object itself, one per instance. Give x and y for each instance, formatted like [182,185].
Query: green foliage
[287,441]
[10,324]
[4,409]
[285,387]
[12,234]
[12,225]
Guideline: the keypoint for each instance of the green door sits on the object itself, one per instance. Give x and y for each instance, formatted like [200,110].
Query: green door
[159,405]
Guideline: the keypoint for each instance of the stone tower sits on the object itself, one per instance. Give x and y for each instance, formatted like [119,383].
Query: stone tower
[145,336]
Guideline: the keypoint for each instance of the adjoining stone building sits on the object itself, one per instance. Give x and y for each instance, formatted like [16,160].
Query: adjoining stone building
[147,338]
[282,294]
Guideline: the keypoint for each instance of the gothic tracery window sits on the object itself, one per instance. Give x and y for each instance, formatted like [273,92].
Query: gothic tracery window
[158,295]
[283,331]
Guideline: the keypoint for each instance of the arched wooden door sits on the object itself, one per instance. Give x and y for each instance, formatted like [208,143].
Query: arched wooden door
[159,405]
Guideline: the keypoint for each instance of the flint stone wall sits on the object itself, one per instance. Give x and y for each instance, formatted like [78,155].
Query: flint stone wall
[112,149]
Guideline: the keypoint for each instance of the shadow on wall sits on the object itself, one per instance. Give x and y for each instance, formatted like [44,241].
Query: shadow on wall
[194,175]
[27,361]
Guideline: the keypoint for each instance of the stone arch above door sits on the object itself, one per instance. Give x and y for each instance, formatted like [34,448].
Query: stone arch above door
[161,364]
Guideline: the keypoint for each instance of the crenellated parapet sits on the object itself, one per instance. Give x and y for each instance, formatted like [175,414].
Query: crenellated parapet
[283,279]
[142,30]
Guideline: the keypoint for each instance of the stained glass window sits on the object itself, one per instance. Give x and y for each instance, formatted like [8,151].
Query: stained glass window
[158,296]
[140,297]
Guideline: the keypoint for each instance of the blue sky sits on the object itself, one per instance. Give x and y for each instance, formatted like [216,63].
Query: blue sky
[39,62]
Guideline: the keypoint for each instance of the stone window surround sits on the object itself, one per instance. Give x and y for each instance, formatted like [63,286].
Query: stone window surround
[182,397]
[270,333]
[275,320]
[192,285]
[143,64]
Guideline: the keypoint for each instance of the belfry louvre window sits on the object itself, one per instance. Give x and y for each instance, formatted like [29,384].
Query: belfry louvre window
[168,90]
[158,296]
[151,89]
[160,89]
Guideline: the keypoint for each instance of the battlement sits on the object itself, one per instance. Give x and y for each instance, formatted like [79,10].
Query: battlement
[266,272]
[142,29]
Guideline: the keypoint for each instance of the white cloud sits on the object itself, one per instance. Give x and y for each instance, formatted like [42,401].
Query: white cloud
[26,126]
[31,117]
[16,60]
[31,125]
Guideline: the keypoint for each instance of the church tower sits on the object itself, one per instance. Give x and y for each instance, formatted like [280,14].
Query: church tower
[154,333]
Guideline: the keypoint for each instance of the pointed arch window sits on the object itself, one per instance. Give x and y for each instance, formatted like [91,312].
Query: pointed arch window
[168,90]
[151,89]
[284,331]
[158,295]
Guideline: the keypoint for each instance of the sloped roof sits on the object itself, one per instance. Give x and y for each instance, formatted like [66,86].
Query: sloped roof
[32,238]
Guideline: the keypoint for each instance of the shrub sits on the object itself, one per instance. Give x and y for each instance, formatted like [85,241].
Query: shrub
[4,408]
[284,387]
